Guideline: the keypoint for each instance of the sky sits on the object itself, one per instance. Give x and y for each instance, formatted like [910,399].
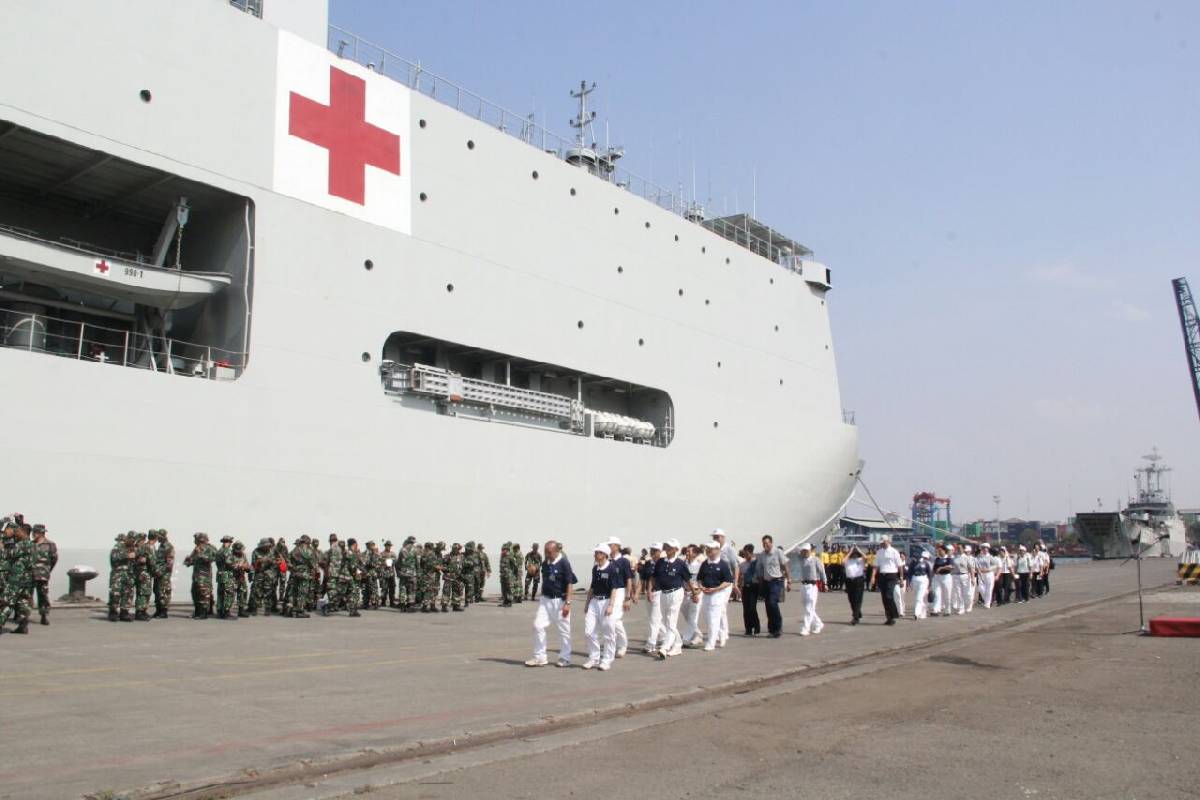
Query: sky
[1003,191]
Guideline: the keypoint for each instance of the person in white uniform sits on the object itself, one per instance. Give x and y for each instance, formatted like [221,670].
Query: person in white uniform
[973,583]
[919,574]
[691,603]
[714,582]
[812,574]
[961,593]
[554,606]
[943,581]
[602,609]
[623,595]
[730,557]
[986,568]
[653,598]
[672,580]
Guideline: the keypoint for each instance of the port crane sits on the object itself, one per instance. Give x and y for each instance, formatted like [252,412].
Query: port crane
[1191,332]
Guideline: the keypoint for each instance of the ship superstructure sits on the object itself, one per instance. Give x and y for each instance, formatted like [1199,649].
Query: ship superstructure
[280,280]
[1149,524]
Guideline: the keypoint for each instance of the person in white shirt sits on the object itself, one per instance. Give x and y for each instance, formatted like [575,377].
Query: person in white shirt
[812,575]
[671,581]
[888,574]
[919,574]
[986,566]
[854,571]
[622,597]
[963,565]
[972,582]
[691,603]
[1004,577]
[554,606]
[730,557]
[653,598]
[714,582]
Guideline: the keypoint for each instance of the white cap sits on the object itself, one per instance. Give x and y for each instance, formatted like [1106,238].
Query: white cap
[601,548]
[718,532]
[1021,547]
[672,543]
[713,543]
[656,546]
[925,554]
[966,548]
[805,546]
[615,540]
[985,546]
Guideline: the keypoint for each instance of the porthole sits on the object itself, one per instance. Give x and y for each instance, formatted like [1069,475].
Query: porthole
[365,357]
[641,342]
[677,237]
[706,301]
[726,259]
[145,95]
[572,191]
[620,270]
[368,265]
[716,424]
[423,197]
[822,302]
[703,249]
[772,281]
[449,287]
[777,329]
[579,324]
[534,175]
[616,211]
[647,224]
[781,381]
[681,292]
[718,365]
[470,144]
[421,123]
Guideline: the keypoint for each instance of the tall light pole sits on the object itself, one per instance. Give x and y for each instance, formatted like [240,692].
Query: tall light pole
[996,500]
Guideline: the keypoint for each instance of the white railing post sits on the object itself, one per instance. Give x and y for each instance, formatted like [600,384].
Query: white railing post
[208,362]
[32,328]
[170,366]
[125,351]
[79,350]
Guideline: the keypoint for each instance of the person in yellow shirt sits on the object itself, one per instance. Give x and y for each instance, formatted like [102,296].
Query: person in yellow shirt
[870,559]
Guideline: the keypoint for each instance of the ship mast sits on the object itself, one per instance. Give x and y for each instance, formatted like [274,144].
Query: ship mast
[586,153]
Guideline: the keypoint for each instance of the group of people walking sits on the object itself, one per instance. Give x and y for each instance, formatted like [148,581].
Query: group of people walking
[687,590]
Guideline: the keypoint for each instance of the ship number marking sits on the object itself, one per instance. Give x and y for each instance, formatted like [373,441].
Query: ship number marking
[133,272]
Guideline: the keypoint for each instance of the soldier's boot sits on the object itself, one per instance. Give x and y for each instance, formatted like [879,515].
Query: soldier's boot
[112,615]
[300,614]
[243,613]
[124,616]
[354,613]
[45,617]
[22,626]
[141,616]
[196,611]
[445,609]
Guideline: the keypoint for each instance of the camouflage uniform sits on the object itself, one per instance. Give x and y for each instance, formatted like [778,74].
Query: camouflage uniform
[226,585]
[120,578]
[164,566]
[407,566]
[350,572]
[516,563]
[452,580]
[370,576]
[320,562]
[18,589]
[201,560]
[301,566]
[266,571]
[470,572]
[45,557]
[240,567]
[281,575]
[6,532]
[532,576]
[506,587]
[484,572]
[142,569]
[387,575]
[430,566]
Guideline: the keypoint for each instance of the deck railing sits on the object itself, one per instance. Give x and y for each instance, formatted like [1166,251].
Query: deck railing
[86,341]
[522,126]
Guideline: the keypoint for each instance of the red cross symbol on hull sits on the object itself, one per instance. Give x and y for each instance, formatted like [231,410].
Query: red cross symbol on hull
[342,129]
[102,267]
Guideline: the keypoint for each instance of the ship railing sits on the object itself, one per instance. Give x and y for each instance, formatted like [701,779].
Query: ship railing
[87,341]
[522,126]
[848,417]
[249,6]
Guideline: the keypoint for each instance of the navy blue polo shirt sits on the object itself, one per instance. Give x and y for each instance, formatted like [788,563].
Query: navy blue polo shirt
[920,567]
[713,574]
[646,569]
[557,578]
[624,575]
[670,574]
[604,579]
[942,561]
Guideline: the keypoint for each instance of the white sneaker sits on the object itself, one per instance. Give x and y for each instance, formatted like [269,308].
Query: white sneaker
[818,630]
[605,667]
[563,663]
[536,662]
[804,633]
[724,640]
[649,650]
[708,648]
[589,664]
[696,642]
[676,652]
[621,653]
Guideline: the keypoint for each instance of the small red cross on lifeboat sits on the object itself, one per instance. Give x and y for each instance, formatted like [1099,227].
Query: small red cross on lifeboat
[102,267]
[342,129]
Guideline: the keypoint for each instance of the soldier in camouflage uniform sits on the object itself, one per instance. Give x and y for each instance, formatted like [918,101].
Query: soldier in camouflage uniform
[164,566]
[387,573]
[533,572]
[18,589]
[506,587]
[485,571]
[452,579]
[333,568]
[516,567]
[45,556]
[302,568]
[348,576]
[320,562]
[262,595]
[470,571]
[281,572]
[142,570]
[226,587]
[7,531]
[407,566]
[431,566]
[370,576]
[201,560]
[240,567]
[120,578]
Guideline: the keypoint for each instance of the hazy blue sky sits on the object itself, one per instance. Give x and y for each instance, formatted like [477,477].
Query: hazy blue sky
[1003,190]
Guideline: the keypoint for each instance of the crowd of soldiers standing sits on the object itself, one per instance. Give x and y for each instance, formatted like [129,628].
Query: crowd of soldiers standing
[294,581]
[27,558]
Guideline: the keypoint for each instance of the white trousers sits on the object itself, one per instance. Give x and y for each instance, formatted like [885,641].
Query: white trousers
[656,621]
[600,630]
[942,585]
[549,613]
[622,640]
[960,599]
[987,582]
[691,618]
[812,623]
[920,585]
[898,596]
[712,609]
[671,602]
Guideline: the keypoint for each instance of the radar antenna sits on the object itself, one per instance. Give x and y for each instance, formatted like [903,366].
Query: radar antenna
[585,153]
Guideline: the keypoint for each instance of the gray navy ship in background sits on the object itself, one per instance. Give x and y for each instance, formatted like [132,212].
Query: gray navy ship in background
[259,276]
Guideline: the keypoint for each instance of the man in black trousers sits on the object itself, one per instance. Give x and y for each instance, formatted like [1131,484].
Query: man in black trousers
[771,572]
[888,566]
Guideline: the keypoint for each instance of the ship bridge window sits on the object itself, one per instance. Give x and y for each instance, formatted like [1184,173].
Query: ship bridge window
[433,375]
[109,260]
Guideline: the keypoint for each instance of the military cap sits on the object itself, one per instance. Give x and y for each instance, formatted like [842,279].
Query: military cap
[264,543]
[201,537]
[411,540]
[351,541]
[470,546]
[387,544]
[441,545]
[456,546]
[130,533]
[429,545]
[120,536]
[239,546]
[371,543]
[39,528]
[152,535]
[304,538]
[333,537]
[162,533]
[226,538]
